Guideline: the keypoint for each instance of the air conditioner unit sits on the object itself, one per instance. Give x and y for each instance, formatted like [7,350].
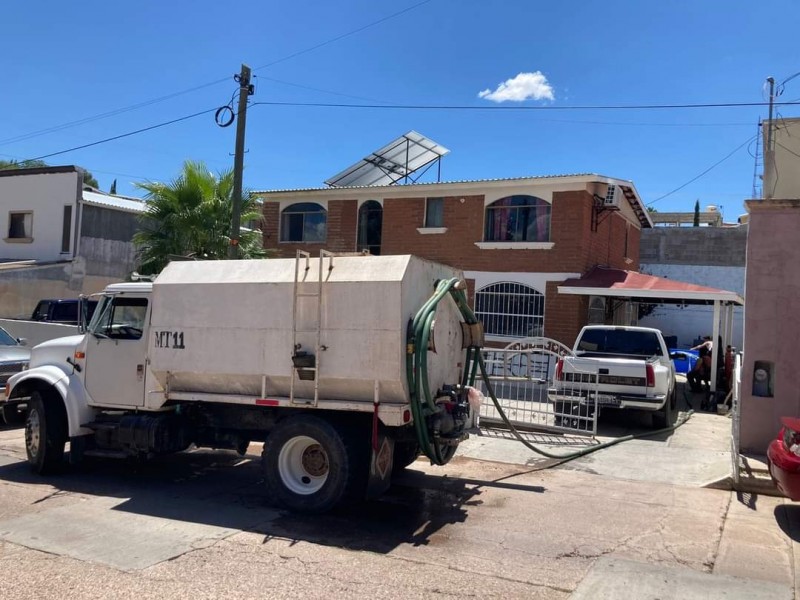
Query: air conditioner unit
[613,197]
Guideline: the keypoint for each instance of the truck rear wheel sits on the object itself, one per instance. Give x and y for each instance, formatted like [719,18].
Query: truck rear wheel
[45,434]
[310,465]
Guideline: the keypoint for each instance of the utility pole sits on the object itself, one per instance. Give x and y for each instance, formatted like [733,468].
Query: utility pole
[245,90]
[768,187]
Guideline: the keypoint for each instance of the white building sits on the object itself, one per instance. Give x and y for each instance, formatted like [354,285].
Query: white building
[60,239]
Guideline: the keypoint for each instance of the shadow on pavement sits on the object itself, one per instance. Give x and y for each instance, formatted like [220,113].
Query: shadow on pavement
[222,489]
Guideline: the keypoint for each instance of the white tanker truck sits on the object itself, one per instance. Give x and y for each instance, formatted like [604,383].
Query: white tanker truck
[344,366]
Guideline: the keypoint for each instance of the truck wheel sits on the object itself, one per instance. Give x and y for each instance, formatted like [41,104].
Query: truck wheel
[405,453]
[662,418]
[13,414]
[565,408]
[45,434]
[310,465]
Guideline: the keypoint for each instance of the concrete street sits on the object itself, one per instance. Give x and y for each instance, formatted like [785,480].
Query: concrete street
[627,522]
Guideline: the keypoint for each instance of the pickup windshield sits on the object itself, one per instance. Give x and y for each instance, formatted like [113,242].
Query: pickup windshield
[620,341]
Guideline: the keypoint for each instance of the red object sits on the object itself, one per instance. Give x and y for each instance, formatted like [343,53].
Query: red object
[784,465]
[651,375]
[559,368]
[266,402]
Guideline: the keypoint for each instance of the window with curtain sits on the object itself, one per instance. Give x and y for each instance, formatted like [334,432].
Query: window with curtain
[518,219]
[304,222]
[511,310]
[434,212]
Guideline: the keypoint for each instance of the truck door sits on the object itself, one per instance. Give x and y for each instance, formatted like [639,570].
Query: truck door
[115,353]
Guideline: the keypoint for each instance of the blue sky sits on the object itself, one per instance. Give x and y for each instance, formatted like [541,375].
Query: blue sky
[65,62]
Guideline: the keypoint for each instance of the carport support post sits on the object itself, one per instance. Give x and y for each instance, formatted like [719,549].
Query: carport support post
[731,308]
[715,347]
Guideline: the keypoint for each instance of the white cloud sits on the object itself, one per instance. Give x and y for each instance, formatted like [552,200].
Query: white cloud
[525,86]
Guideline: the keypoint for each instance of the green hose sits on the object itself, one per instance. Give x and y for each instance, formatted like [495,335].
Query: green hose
[422,402]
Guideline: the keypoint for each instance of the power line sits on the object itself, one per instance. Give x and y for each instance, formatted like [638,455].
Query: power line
[397,106]
[145,103]
[124,135]
[110,113]
[344,35]
[527,107]
[716,164]
[316,89]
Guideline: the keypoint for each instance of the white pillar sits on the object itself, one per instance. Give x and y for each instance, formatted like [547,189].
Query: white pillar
[715,347]
[731,308]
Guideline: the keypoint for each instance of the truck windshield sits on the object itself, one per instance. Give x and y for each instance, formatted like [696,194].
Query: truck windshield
[620,341]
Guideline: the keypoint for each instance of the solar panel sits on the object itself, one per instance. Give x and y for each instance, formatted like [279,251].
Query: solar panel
[395,161]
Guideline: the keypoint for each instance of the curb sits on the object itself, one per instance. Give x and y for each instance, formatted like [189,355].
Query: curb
[752,485]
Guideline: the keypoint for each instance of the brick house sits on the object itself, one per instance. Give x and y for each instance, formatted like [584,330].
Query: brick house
[515,239]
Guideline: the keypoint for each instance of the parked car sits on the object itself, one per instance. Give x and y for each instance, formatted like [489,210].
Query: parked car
[14,357]
[63,311]
[783,457]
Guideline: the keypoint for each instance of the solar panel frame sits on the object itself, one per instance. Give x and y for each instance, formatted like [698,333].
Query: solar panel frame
[395,161]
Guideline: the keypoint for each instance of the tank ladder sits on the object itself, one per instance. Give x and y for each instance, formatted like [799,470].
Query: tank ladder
[301,364]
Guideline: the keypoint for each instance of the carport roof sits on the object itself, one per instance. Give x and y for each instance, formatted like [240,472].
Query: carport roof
[604,281]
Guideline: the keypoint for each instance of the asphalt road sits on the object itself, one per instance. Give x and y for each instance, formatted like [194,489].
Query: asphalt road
[199,525]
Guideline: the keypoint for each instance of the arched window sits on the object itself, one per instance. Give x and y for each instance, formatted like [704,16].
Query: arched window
[304,222]
[510,310]
[370,225]
[518,219]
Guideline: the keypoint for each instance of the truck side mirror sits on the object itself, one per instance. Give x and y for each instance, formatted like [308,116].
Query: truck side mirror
[83,309]
[22,341]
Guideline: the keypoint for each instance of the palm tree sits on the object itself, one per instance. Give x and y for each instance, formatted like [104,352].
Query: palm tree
[191,217]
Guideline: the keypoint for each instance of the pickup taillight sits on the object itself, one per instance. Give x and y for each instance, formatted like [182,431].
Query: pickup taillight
[651,376]
[560,369]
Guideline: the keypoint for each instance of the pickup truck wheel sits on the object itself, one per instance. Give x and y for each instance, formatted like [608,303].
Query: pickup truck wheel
[563,419]
[45,434]
[662,418]
[310,465]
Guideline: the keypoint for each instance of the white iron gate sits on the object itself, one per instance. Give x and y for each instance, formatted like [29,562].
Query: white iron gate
[736,411]
[522,374]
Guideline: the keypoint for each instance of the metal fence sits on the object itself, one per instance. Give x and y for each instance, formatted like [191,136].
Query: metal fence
[522,377]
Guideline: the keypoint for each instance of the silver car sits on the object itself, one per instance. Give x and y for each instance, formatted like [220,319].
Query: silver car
[14,357]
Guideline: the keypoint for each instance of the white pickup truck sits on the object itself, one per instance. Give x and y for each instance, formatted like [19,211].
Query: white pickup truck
[616,367]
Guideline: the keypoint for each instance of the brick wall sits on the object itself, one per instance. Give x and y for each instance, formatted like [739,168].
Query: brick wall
[576,248]
[342,224]
[564,315]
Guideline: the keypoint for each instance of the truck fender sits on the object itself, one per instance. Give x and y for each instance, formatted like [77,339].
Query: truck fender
[69,388]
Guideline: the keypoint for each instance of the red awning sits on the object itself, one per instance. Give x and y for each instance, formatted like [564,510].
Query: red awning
[603,281]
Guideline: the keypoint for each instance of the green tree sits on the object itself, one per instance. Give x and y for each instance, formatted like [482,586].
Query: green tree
[696,213]
[191,217]
[113,189]
[88,178]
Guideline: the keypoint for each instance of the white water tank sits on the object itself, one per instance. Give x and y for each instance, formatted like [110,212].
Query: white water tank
[234,321]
